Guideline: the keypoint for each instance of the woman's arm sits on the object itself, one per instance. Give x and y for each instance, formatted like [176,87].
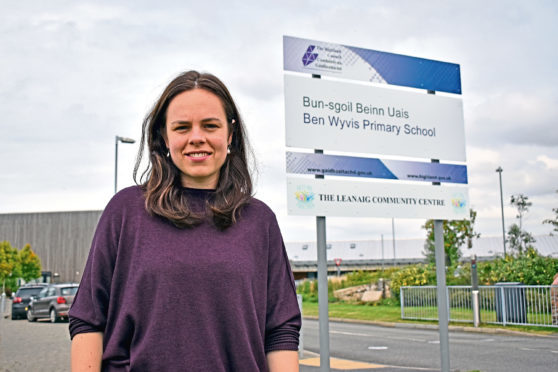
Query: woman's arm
[87,352]
[282,361]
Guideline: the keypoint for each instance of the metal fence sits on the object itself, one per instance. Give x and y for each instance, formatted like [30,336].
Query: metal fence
[504,304]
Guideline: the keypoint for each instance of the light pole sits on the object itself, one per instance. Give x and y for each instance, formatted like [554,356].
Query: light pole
[116,140]
[499,170]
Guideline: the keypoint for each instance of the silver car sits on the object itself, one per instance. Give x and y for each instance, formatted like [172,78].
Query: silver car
[53,302]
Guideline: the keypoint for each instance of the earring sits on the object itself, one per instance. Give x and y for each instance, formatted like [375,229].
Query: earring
[168,153]
[228,149]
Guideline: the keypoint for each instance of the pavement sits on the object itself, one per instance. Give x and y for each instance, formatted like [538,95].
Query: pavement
[310,361]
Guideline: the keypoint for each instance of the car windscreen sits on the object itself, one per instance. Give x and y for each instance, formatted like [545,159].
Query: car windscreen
[28,292]
[68,291]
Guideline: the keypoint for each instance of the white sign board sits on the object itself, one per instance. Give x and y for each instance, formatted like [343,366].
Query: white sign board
[342,116]
[318,197]
[349,62]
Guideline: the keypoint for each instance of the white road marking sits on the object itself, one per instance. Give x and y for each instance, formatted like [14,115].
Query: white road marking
[377,347]
[351,333]
[407,339]
[434,342]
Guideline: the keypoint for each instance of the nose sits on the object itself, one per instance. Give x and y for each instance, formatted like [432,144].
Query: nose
[197,135]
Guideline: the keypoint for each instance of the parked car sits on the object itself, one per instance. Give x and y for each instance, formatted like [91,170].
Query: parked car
[22,298]
[52,302]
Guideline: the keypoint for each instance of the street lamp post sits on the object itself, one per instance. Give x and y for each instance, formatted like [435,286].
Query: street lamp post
[116,140]
[499,170]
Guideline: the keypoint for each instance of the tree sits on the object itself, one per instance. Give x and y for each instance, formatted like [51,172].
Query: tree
[522,204]
[517,237]
[30,264]
[519,240]
[456,234]
[553,222]
[9,263]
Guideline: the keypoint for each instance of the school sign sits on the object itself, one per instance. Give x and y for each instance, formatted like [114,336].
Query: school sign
[373,109]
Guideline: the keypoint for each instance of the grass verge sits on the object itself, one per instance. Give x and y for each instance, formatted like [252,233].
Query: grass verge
[392,313]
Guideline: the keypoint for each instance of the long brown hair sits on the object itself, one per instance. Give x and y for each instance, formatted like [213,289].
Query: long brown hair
[160,180]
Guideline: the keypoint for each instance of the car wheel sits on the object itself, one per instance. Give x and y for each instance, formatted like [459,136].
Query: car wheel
[30,316]
[53,316]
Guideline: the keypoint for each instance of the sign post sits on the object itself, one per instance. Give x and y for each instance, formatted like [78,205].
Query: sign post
[323,298]
[322,293]
[379,119]
[338,264]
[442,295]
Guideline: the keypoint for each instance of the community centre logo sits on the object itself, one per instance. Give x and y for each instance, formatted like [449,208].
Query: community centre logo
[304,197]
[459,203]
[309,56]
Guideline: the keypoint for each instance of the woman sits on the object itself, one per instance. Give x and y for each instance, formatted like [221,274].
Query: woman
[188,272]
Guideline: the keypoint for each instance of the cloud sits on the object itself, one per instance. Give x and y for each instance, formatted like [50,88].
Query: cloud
[516,118]
[549,163]
[75,74]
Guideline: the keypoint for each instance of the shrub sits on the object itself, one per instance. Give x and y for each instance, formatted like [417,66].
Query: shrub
[415,275]
[529,269]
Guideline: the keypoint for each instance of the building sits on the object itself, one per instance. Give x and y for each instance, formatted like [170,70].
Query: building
[369,254]
[60,239]
[63,239]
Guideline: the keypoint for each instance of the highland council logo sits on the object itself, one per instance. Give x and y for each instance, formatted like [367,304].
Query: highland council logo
[309,57]
[304,197]
[459,203]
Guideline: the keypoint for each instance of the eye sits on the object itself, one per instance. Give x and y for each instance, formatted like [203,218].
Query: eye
[181,127]
[211,125]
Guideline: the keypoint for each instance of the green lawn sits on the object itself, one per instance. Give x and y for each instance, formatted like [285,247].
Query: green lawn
[359,312]
[392,313]
[465,314]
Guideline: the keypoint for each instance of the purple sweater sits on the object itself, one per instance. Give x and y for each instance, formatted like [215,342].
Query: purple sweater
[197,299]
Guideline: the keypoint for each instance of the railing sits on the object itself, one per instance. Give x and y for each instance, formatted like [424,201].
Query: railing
[504,304]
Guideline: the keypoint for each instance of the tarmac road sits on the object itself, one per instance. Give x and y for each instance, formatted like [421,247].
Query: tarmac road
[405,347]
[39,346]
[45,347]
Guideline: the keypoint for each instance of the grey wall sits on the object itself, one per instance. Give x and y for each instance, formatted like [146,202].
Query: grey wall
[61,239]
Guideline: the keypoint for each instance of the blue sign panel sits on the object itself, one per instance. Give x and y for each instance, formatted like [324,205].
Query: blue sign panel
[349,166]
[316,57]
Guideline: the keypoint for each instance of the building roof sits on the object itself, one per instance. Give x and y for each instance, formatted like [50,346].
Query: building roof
[406,249]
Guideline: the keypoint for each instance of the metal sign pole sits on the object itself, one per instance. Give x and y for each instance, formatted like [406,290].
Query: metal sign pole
[322,294]
[443,318]
[442,294]
[323,314]
[475,291]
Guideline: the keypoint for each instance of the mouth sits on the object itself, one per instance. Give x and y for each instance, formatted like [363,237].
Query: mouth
[200,154]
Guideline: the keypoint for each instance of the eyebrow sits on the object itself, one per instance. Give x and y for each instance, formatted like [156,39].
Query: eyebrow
[189,122]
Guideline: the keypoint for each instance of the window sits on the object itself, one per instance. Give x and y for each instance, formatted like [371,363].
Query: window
[328,246]
[51,292]
[353,245]
[43,292]
[304,247]
[28,292]
[68,291]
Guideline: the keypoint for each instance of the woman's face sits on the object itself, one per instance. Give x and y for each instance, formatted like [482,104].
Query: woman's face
[197,135]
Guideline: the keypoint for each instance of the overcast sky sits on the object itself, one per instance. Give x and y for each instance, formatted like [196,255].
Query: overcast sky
[73,74]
